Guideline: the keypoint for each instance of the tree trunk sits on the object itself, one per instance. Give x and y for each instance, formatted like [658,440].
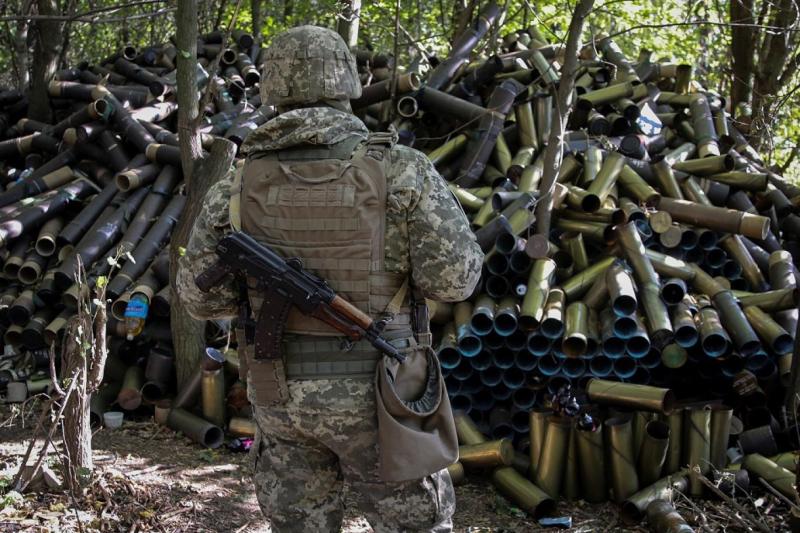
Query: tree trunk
[555,144]
[21,50]
[77,429]
[188,334]
[258,19]
[742,50]
[45,60]
[349,17]
[773,57]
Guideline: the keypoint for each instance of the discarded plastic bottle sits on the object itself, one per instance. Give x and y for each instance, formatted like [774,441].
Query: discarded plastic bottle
[135,315]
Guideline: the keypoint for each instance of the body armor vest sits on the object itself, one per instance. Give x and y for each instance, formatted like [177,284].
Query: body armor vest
[327,207]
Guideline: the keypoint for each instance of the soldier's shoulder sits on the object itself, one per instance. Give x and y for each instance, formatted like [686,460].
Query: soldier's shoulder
[408,168]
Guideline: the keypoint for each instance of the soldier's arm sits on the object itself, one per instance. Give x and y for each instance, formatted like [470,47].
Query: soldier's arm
[445,258]
[211,224]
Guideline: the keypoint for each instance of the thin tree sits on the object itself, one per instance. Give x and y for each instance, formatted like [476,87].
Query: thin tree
[348,20]
[560,113]
[47,42]
[199,173]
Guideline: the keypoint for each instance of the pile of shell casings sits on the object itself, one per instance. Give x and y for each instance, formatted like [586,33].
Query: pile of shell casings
[104,182]
[670,265]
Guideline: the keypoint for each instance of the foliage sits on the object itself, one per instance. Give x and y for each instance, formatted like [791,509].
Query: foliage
[694,31]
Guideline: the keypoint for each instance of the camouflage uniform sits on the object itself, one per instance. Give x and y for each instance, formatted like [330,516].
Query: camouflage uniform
[327,432]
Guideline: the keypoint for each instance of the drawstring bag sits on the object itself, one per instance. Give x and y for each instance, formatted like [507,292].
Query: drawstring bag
[416,430]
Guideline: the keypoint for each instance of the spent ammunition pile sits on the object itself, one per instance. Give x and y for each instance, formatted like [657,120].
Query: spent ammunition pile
[651,329]
[102,186]
[641,345]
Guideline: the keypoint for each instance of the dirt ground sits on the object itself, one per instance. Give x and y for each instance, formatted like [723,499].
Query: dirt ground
[151,479]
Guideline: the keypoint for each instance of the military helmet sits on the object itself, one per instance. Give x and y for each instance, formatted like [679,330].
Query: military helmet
[308,64]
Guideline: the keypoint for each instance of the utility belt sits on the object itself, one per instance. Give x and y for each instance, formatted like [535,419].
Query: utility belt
[310,357]
[324,357]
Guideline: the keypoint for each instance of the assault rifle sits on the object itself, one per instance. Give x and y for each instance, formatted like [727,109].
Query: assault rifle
[286,283]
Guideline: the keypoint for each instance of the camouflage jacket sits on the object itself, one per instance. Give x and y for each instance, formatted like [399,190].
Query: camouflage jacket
[427,233]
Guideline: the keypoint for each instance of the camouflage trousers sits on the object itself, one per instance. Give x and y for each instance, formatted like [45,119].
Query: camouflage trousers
[326,434]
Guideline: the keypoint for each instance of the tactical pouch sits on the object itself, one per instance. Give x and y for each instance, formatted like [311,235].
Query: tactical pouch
[268,379]
[416,431]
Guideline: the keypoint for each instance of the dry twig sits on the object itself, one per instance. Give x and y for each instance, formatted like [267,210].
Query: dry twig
[753,521]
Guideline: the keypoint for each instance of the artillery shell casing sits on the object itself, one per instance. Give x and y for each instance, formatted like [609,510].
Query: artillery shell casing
[483,313]
[735,247]
[713,337]
[46,240]
[706,166]
[669,266]
[643,397]
[608,94]
[653,451]
[538,427]
[777,477]
[716,218]
[698,446]
[571,484]
[593,231]
[787,460]
[199,430]
[456,471]
[531,177]
[735,322]
[720,435]
[573,243]
[591,456]
[553,456]
[575,286]
[635,507]
[487,454]
[771,301]
[467,431]
[161,410]
[575,329]
[592,162]
[130,396]
[621,290]
[601,186]
[747,181]
[637,187]
[522,492]
[526,129]
[659,324]
[446,151]
[552,323]
[539,282]
[663,518]
[212,360]
[597,295]
[674,421]
[468,201]
[666,180]
[624,479]
[777,338]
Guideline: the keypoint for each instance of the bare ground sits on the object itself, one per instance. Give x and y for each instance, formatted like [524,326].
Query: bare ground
[151,479]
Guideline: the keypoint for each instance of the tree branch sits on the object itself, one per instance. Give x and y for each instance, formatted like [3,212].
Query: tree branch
[702,23]
[84,16]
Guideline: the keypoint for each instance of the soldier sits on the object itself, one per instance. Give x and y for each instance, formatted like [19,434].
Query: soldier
[366,215]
